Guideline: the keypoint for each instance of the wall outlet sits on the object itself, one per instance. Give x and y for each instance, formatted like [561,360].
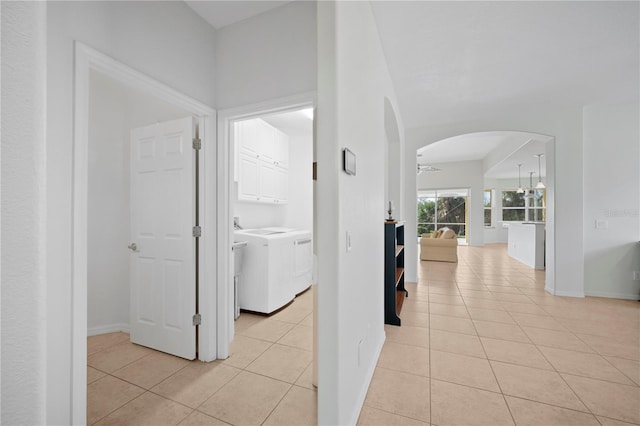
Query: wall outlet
[602,224]
[636,275]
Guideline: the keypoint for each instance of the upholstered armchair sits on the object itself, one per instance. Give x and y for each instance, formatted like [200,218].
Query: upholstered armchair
[441,246]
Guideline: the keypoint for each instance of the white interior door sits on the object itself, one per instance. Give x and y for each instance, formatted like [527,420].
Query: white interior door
[163,264]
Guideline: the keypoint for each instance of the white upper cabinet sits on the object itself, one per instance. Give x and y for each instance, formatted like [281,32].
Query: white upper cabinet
[248,181]
[248,136]
[281,150]
[257,138]
[262,162]
[281,185]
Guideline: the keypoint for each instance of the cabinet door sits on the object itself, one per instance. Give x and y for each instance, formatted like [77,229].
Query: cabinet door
[281,185]
[281,149]
[248,137]
[267,135]
[248,175]
[267,181]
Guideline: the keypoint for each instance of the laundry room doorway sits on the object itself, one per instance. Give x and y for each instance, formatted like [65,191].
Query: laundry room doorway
[271,213]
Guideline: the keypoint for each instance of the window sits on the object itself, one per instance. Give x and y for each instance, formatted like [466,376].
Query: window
[440,208]
[537,206]
[487,207]
[513,206]
[520,208]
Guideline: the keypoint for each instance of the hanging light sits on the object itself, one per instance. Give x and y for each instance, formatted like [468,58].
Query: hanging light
[539,185]
[530,190]
[520,189]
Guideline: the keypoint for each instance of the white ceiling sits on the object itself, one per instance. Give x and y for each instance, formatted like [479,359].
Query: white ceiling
[505,149]
[220,13]
[291,123]
[465,60]
[457,61]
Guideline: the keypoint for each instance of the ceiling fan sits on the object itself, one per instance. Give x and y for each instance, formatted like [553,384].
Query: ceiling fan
[427,168]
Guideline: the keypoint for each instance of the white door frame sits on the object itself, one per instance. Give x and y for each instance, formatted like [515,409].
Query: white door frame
[86,60]
[225,208]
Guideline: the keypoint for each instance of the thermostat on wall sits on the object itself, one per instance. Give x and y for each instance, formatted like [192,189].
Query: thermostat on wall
[348,162]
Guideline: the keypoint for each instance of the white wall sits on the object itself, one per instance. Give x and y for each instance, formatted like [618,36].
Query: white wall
[258,215]
[114,110]
[23,201]
[268,56]
[394,182]
[165,40]
[299,211]
[353,82]
[108,211]
[464,174]
[611,182]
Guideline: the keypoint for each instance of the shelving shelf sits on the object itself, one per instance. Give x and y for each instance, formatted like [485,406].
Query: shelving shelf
[399,272]
[394,290]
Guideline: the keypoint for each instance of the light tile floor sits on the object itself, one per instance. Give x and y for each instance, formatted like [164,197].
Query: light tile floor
[266,380]
[481,343]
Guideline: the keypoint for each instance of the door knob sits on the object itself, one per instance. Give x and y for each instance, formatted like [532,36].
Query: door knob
[132,247]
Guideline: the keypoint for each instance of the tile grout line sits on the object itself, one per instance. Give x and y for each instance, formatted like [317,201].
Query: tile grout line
[491,367]
[276,406]
[562,378]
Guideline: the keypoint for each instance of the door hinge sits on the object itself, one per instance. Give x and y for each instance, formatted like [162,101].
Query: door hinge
[197,231]
[197,319]
[197,143]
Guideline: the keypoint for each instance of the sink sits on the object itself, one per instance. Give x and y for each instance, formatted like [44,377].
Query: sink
[237,248]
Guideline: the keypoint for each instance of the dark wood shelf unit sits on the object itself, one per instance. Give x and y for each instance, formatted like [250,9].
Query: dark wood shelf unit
[394,290]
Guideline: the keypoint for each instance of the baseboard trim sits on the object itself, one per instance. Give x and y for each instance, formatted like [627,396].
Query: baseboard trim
[363,394]
[565,293]
[608,295]
[109,328]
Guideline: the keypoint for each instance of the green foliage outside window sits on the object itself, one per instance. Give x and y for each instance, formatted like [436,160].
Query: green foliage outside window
[450,213]
[514,206]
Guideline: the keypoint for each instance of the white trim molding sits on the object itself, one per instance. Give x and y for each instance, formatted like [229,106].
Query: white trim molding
[624,296]
[564,293]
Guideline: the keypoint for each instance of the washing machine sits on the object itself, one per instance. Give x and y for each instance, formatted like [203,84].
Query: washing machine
[277,265]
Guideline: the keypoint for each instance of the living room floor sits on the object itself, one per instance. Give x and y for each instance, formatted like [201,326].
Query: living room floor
[481,343]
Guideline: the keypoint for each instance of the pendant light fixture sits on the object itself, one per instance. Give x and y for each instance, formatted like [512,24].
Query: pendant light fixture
[530,190]
[540,185]
[520,189]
